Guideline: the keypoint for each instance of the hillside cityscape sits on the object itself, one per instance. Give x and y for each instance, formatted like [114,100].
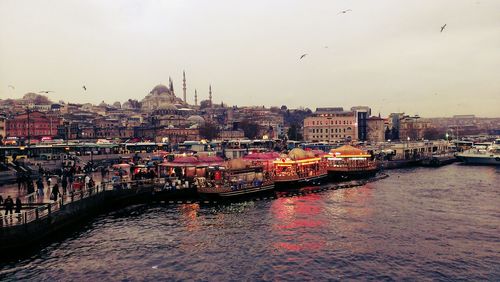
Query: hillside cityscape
[162,116]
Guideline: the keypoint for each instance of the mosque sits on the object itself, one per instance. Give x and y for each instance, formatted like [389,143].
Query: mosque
[163,97]
[170,110]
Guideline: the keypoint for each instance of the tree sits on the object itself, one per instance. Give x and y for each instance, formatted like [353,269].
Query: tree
[204,104]
[432,134]
[293,133]
[388,134]
[209,131]
[134,104]
[251,129]
[395,133]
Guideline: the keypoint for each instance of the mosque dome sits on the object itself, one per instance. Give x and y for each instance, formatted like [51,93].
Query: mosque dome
[196,119]
[160,89]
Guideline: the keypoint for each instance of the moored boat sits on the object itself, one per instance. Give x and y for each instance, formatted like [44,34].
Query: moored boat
[299,167]
[348,162]
[179,174]
[235,178]
[489,155]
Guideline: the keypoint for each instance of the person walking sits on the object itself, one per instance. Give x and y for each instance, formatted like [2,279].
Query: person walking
[103,173]
[39,186]
[87,181]
[55,192]
[9,205]
[18,205]
[64,184]
[1,202]
[19,180]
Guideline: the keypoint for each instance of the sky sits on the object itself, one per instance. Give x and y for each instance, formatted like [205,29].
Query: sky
[386,54]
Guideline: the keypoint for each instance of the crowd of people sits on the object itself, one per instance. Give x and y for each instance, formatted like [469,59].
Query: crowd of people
[55,184]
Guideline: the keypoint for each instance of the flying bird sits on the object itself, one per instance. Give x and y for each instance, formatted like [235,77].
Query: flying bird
[301,57]
[11,87]
[442,28]
[345,11]
[46,91]
[84,88]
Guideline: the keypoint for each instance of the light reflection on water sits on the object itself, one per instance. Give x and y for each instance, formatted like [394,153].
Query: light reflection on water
[433,224]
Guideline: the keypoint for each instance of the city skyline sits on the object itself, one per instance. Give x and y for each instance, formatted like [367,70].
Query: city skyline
[389,55]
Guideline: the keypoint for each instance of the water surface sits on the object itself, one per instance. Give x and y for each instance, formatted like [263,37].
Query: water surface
[421,223]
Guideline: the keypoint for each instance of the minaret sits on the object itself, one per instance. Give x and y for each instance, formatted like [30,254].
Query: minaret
[171,85]
[195,98]
[210,94]
[184,86]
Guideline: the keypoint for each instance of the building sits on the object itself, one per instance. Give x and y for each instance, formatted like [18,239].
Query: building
[362,115]
[32,125]
[3,132]
[160,96]
[331,125]
[375,130]
[413,128]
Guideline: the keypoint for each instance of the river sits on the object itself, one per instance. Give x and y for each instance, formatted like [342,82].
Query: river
[417,224]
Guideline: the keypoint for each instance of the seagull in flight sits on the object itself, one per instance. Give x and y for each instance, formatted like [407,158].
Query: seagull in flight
[11,87]
[84,88]
[46,91]
[345,11]
[301,57]
[442,28]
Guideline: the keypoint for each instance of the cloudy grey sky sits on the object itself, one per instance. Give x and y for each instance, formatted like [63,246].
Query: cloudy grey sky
[388,54]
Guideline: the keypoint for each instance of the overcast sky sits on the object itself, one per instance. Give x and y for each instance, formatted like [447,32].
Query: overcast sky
[387,54]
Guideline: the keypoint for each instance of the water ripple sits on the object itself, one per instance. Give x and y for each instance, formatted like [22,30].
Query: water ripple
[418,224]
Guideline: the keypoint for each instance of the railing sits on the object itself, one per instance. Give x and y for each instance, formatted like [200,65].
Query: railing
[37,210]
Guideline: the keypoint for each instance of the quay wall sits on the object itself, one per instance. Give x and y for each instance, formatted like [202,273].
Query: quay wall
[24,237]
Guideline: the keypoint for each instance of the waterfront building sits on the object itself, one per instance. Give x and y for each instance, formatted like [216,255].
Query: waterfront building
[375,129]
[331,125]
[416,149]
[413,128]
[362,114]
[32,124]
[231,134]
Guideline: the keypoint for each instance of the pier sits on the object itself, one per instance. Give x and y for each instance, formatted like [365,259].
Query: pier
[38,221]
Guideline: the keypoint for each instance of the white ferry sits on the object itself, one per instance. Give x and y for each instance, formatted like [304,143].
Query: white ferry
[482,155]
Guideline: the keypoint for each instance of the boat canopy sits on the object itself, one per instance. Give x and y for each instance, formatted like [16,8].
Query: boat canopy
[264,156]
[348,151]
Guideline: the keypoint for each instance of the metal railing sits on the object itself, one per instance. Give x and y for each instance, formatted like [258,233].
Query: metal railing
[37,210]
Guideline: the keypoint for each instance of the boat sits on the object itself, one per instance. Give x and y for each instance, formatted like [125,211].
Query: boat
[348,162]
[481,155]
[438,160]
[235,178]
[299,167]
[180,173]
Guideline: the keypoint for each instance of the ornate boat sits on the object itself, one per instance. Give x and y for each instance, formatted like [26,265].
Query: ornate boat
[299,167]
[348,162]
[235,178]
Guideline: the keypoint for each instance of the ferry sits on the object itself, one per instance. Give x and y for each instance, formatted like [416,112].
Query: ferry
[235,178]
[482,155]
[348,162]
[299,167]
